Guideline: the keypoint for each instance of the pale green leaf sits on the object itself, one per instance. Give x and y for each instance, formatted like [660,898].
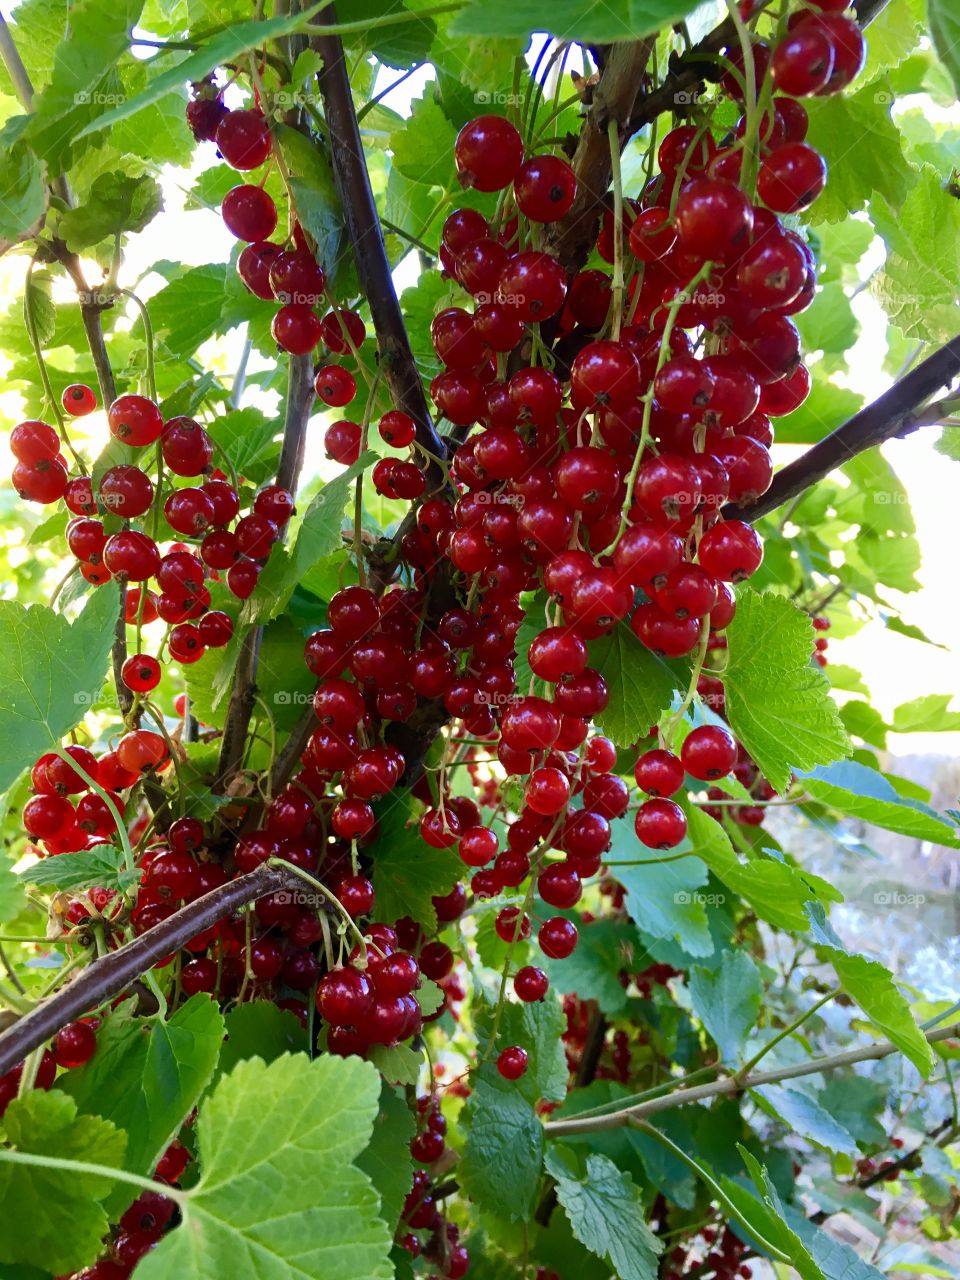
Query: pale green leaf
[146,1077]
[944,20]
[727,1000]
[101,867]
[862,793]
[279,1195]
[777,701]
[59,1211]
[929,714]
[581,20]
[806,1117]
[116,203]
[23,194]
[51,671]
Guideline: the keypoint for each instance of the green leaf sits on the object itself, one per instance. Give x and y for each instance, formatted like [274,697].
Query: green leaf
[571,19]
[605,1210]
[397,1063]
[919,285]
[502,1158]
[72,102]
[727,1001]
[766,1215]
[314,194]
[857,1102]
[929,714]
[387,1161]
[539,1029]
[591,972]
[146,1077]
[863,793]
[259,1029]
[51,671]
[423,148]
[777,891]
[279,1194]
[407,872]
[101,867]
[777,701]
[806,1117]
[875,165]
[116,203]
[829,324]
[188,311]
[60,1215]
[662,897]
[226,46]
[944,21]
[248,438]
[23,194]
[825,408]
[876,992]
[836,1260]
[641,686]
[399,45]
[318,533]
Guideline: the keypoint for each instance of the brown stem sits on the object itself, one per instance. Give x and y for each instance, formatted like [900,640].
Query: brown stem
[243,694]
[107,977]
[363,225]
[895,413]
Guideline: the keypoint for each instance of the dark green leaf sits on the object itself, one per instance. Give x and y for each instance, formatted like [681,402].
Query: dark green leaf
[407,872]
[259,1030]
[387,1161]
[641,686]
[117,203]
[945,28]
[571,19]
[500,1167]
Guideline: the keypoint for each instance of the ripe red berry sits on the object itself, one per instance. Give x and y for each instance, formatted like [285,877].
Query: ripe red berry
[660,824]
[243,139]
[249,213]
[557,937]
[545,188]
[488,153]
[530,984]
[134,420]
[512,1062]
[141,672]
[78,400]
[186,447]
[708,752]
[75,1044]
[296,329]
[335,385]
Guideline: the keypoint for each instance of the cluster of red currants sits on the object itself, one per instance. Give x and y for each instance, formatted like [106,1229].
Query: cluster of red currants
[290,275]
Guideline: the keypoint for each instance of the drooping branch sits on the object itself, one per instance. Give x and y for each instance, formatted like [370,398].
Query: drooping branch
[369,251]
[897,412]
[734,1084]
[244,691]
[109,976]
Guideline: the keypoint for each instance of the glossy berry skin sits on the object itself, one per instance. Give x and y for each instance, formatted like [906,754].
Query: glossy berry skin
[791,178]
[131,553]
[253,267]
[545,188]
[659,773]
[512,1062]
[533,285]
[557,937]
[802,62]
[249,213]
[335,385]
[44,482]
[74,1044]
[141,672]
[243,139]
[652,235]
[559,885]
[33,441]
[731,551]
[344,997]
[530,984]
[187,449]
[488,153]
[660,824]
[342,331]
[126,491]
[708,752]
[604,373]
[134,420]
[78,400]
[296,329]
[713,219]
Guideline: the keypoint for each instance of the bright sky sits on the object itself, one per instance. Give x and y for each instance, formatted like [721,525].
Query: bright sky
[895,668]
